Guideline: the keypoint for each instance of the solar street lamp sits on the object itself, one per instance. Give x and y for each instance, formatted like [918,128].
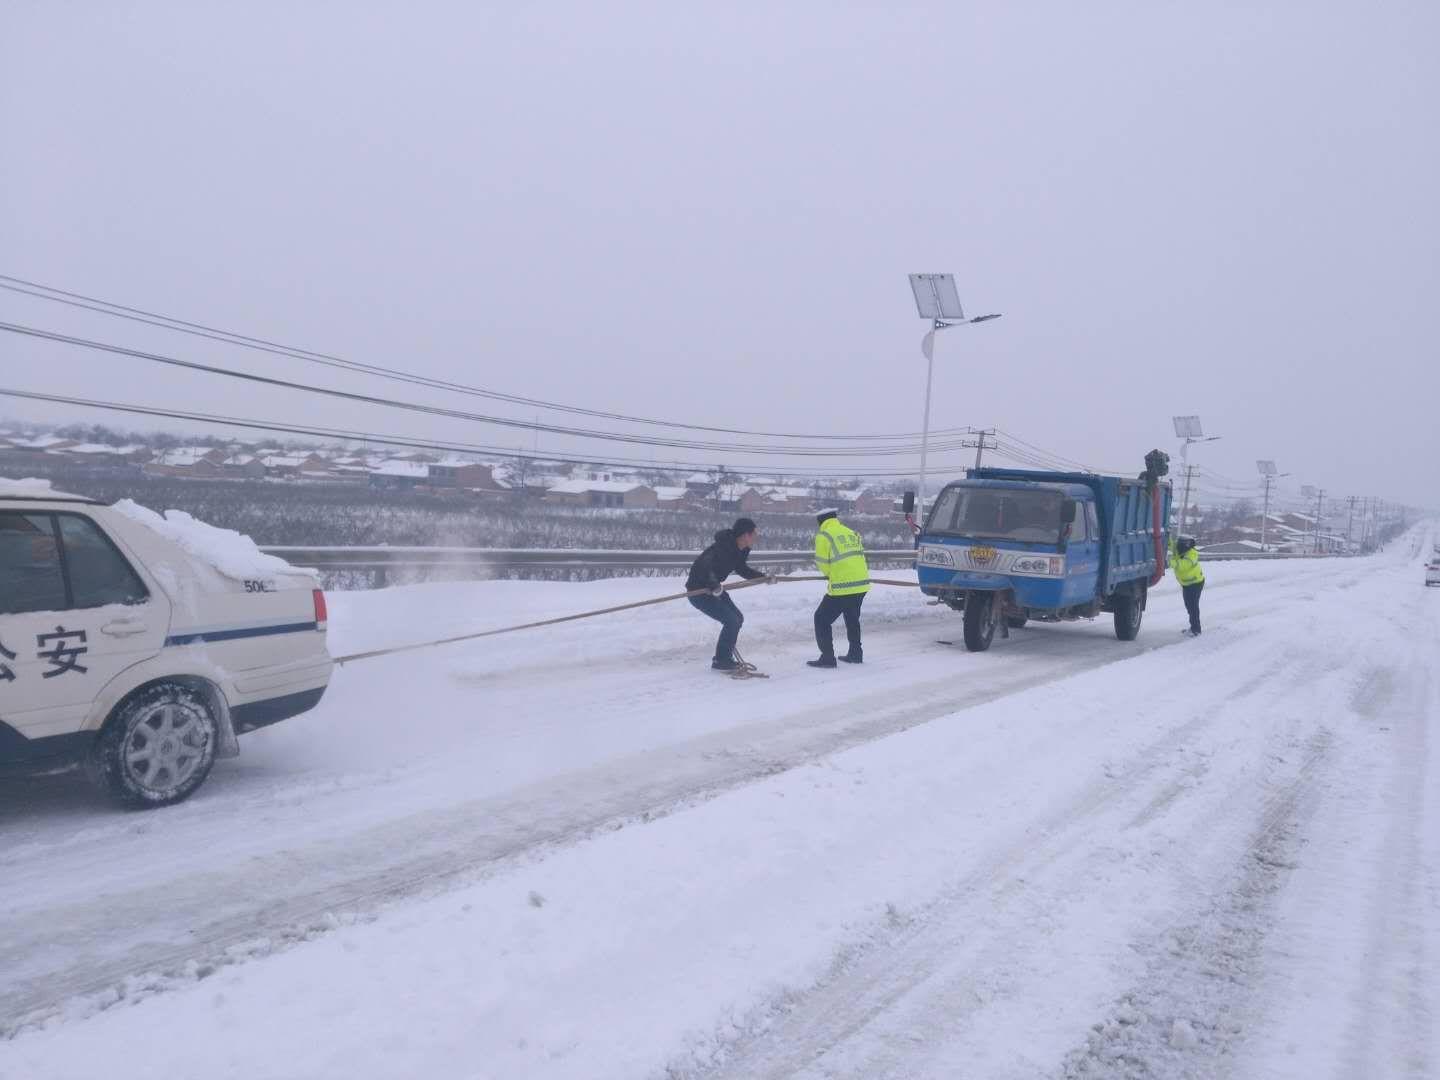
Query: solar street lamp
[1187,429]
[1268,471]
[936,299]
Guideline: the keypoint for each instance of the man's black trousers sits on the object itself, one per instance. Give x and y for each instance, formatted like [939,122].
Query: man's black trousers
[1192,604]
[832,608]
[723,610]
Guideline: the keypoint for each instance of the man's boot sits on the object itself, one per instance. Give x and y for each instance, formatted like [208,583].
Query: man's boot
[823,662]
[854,656]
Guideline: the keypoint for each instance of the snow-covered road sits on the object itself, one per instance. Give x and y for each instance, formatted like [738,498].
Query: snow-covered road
[580,853]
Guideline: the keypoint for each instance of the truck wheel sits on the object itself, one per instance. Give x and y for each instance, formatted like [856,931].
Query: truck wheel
[1129,610]
[157,747]
[979,621]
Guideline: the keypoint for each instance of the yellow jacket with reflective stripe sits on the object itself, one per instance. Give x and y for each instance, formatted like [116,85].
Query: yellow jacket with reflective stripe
[840,556]
[1187,566]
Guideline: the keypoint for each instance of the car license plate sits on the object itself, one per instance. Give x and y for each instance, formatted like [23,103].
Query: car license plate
[983,556]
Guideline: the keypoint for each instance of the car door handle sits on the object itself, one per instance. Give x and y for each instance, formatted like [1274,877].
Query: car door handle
[124,627]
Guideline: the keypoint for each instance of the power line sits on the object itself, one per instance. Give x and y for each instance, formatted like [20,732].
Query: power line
[443,446]
[436,410]
[167,322]
[1070,463]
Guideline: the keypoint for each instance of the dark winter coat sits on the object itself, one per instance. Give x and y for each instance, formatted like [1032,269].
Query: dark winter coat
[719,561]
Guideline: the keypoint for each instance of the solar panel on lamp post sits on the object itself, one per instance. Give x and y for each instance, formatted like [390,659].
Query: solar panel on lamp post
[936,299]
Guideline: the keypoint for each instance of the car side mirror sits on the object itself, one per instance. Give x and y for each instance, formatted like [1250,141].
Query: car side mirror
[908,503]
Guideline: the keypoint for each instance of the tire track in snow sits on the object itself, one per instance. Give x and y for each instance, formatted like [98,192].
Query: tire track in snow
[200,923]
[889,997]
[1182,1020]
[195,924]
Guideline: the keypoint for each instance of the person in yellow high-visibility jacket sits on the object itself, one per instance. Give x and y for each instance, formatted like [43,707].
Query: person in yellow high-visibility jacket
[840,556]
[1185,561]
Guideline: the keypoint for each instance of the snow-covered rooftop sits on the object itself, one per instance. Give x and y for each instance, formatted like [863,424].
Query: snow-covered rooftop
[42,442]
[417,470]
[182,456]
[89,448]
[580,487]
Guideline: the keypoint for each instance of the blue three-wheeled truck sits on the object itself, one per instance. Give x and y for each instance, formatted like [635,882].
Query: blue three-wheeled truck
[1009,545]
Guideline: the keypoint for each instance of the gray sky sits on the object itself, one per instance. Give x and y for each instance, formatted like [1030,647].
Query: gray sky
[708,215]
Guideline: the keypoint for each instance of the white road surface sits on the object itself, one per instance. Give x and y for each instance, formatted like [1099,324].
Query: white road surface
[579,853]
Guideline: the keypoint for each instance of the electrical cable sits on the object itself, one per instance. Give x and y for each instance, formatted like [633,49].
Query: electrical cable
[436,410]
[166,322]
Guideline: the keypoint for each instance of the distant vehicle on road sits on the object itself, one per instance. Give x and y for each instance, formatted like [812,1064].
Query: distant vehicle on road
[1432,571]
[139,647]
[1010,545]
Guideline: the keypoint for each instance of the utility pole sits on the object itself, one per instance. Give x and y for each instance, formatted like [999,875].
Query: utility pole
[1185,502]
[1350,525]
[981,443]
[1319,511]
[1265,514]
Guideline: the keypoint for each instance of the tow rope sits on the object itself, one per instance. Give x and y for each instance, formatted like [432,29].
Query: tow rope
[752,673]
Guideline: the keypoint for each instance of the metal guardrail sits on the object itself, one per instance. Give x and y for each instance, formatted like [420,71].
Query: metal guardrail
[1249,556]
[380,561]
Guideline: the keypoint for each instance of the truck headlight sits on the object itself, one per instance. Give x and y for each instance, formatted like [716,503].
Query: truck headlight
[936,555]
[1044,565]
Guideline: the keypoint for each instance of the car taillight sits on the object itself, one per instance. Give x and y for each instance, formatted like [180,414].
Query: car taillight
[322,614]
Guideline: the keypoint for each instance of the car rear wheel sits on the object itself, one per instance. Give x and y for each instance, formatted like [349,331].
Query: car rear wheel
[158,746]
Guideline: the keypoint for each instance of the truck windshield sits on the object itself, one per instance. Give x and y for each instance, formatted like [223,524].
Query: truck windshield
[998,514]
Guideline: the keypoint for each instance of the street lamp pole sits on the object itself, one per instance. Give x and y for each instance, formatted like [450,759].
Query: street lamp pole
[937,300]
[927,346]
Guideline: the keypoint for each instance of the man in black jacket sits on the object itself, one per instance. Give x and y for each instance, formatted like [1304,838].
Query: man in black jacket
[729,554]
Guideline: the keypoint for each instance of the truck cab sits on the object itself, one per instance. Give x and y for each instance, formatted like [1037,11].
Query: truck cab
[1008,545]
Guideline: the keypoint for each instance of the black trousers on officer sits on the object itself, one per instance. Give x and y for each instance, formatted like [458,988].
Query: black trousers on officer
[1192,604]
[832,608]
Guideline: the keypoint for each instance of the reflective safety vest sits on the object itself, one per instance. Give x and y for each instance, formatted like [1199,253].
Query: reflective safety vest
[1187,566]
[840,556]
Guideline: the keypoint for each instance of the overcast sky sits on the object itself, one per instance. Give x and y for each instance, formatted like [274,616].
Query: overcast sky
[707,215]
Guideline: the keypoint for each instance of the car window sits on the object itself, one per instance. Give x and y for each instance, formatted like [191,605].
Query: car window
[1078,532]
[30,574]
[1090,519]
[99,574]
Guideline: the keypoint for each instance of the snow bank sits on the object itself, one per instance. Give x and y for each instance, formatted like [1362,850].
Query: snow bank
[230,553]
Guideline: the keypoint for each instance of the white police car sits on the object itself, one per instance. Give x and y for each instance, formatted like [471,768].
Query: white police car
[140,647]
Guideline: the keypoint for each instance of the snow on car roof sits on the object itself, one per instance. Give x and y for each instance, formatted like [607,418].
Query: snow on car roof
[230,553]
[32,488]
